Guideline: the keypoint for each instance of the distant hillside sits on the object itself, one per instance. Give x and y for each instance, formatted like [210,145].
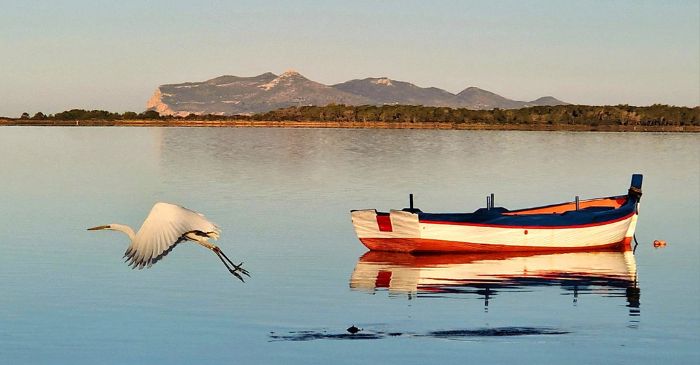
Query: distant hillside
[230,95]
[391,92]
[475,98]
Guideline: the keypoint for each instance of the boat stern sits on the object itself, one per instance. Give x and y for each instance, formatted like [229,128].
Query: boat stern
[635,193]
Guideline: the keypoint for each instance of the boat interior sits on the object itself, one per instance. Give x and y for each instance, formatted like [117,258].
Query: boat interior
[597,204]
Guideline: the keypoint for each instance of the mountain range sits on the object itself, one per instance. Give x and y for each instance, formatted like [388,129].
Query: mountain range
[229,95]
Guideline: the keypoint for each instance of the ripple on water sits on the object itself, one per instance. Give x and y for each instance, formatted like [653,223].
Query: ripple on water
[444,334]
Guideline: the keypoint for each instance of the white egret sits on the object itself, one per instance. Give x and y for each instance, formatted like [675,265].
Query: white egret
[165,227]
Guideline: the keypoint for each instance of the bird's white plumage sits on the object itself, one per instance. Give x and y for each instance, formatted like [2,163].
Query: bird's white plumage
[166,226]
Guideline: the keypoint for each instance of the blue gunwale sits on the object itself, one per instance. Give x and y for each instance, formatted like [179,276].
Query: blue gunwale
[497,217]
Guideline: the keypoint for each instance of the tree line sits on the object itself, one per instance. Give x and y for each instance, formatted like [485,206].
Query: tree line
[82,114]
[654,115]
[560,114]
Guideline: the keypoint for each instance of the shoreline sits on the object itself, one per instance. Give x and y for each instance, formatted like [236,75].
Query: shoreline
[349,125]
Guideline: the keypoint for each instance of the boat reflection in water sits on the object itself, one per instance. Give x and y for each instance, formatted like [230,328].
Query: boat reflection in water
[609,273]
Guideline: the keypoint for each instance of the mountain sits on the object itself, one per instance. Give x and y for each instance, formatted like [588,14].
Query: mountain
[228,95]
[386,91]
[547,101]
[475,98]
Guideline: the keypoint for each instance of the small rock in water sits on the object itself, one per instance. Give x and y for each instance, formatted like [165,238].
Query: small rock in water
[353,330]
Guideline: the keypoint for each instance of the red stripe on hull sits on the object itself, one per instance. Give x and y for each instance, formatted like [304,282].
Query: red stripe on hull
[384,223]
[429,245]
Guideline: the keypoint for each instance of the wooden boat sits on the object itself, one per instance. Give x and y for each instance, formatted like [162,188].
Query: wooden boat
[582,225]
[613,273]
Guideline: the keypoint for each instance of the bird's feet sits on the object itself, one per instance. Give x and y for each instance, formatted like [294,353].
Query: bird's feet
[237,270]
[240,269]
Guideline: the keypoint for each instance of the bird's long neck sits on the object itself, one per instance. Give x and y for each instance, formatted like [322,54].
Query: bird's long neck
[123,228]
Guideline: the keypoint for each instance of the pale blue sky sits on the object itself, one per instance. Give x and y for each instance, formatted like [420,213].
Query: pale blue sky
[57,55]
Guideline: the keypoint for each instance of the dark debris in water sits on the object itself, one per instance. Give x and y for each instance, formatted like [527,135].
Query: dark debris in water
[323,335]
[496,332]
[444,334]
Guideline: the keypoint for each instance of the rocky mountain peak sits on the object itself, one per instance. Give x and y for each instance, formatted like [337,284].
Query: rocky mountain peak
[287,78]
[383,81]
[291,73]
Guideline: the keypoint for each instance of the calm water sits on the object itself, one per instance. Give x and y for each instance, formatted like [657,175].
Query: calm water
[282,197]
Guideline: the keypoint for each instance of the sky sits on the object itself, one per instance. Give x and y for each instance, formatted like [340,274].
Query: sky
[112,55]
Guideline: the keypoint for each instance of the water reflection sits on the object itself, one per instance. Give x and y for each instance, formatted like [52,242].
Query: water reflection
[454,334]
[611,274]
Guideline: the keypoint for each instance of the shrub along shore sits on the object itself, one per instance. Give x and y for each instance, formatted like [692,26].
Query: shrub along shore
[654,118]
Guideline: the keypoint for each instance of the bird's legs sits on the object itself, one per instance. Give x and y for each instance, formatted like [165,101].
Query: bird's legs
[236,268]
[233,269]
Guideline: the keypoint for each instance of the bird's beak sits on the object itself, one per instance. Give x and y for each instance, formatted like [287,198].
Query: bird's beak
[98,228]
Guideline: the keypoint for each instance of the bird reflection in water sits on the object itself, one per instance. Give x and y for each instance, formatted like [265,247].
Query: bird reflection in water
[608,273]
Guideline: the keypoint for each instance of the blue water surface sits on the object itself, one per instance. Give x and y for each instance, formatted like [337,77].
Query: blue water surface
[282,198]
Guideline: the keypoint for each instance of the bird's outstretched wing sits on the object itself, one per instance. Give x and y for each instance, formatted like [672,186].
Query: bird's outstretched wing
[164,228]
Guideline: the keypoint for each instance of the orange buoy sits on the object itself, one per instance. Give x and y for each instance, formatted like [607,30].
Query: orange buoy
[659,243]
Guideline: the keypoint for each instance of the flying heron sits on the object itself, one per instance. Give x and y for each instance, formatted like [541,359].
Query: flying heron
[165,227]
